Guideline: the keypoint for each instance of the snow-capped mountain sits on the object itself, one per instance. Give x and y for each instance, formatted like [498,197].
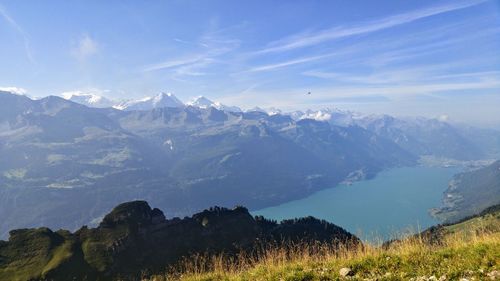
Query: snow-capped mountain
[203,102]
[158,101]
[147,103]
[333,116]
[256,108]
[229,108]
[88,99]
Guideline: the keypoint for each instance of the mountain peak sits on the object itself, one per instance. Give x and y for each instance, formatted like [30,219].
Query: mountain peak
[166,100]
[201,102]
[135,212]
[159,101]
[87,99]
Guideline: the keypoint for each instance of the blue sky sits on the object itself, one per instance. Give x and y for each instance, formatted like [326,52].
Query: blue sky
[430,58]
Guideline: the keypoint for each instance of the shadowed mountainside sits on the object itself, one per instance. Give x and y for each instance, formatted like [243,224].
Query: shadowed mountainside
[470,193]
[59,157]
[64,165]
[134,238]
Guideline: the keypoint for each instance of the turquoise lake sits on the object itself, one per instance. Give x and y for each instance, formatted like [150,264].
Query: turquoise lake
[395,202]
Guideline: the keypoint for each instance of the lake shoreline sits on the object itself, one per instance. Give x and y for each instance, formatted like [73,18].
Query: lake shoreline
[376,208]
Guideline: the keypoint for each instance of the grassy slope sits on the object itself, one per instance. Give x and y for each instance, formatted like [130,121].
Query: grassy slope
[470,249]
[467,249]
[42,253]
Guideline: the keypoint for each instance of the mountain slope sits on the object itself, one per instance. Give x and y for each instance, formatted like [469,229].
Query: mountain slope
[62,157]
[465,251]
[425,137]
[420,136]
[59,157]
[471,192]
[134,238]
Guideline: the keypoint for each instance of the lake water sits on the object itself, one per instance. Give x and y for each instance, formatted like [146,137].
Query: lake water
[396,201]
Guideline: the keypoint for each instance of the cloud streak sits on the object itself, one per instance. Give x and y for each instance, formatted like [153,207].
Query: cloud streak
[289,63]
[211,48]
[173,63]
[26,41]
[305,40]
[295,98]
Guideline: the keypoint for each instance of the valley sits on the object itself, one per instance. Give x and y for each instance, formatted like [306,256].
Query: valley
[168,140]
[61,157]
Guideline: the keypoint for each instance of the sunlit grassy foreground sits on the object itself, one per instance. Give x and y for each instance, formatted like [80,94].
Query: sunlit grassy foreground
[469,250]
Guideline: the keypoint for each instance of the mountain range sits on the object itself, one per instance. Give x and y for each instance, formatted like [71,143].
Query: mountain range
[64,164]
[159,101]
[421,136]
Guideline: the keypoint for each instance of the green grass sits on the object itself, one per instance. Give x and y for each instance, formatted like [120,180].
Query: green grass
[40,249]
[473,260]
[467,250]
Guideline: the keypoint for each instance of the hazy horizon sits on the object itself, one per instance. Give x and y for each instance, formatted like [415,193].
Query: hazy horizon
[425,58]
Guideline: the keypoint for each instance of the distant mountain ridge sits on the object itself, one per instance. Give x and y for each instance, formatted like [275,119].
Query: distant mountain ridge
[421,136]
[160,100]
[133,238]
[88,99]
[60,157]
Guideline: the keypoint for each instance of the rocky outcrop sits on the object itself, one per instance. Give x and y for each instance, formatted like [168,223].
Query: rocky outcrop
[133,239]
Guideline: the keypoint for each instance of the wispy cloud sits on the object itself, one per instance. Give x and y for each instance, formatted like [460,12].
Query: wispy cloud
[173,63]
[377,52]
[85,48]
[296,97]
[313,38]
[416,74]
[426,46]
[210,48]
[195,69]
[26,41]
[288,63]
[185,42]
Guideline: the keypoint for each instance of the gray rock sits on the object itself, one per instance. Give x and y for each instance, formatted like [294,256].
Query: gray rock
[346,271]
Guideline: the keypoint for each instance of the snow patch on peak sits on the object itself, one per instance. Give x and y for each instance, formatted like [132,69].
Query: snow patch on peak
[159,101]
[274,111]
[333,116]
[256,108]
[14,90]
[223,107]
[87,99]
[201,102]
[167,100]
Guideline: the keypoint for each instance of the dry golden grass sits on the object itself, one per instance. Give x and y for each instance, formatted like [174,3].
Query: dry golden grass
[471,252]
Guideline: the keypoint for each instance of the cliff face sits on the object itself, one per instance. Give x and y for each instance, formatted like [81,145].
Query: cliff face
[134,238]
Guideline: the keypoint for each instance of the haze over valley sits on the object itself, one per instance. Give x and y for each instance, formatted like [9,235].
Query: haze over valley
[249,140]
[65,156]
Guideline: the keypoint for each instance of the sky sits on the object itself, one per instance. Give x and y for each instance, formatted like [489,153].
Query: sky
[426,58]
